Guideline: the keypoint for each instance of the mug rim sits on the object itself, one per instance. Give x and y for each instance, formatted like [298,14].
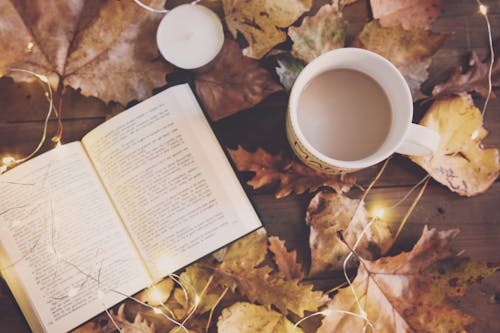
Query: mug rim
[370,159]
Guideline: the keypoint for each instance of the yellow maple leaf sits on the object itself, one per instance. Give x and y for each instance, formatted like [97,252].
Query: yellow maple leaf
[244,317]
[260,21]
[460,162]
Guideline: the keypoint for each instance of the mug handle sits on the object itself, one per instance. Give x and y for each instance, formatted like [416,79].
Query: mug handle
[419,141]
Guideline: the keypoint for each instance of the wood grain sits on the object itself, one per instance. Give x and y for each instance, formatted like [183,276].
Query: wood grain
[23,107]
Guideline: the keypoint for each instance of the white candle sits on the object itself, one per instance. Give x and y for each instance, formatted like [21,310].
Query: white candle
[190,36]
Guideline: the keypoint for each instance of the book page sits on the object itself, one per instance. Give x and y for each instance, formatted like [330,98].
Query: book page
[170,180]
[62,241]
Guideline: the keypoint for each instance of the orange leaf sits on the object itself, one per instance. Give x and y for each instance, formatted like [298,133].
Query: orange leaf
[460,162]
[290,175]
[286,261]
[105,48]
[408,292]
[233,83]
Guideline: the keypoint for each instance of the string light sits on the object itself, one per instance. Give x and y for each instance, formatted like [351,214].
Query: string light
[48,93]
[157,311]
[483,10]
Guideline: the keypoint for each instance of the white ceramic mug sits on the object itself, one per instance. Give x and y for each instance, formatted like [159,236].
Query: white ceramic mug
[403,137]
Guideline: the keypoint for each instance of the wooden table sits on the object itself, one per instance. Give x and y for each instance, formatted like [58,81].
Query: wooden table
[22,109]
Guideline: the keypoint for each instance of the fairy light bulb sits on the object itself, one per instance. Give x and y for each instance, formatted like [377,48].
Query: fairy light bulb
[157,311]
[378,213]
[474,135]
[8,160]
[483,10]
[155,296]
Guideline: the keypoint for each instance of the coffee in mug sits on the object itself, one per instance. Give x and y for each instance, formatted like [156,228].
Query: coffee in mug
[351,108]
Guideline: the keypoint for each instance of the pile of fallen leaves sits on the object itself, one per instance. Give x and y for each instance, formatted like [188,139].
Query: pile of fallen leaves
[107,49]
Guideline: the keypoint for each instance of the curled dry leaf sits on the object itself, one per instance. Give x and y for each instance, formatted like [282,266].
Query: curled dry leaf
[286,261]
[329,213]
[408,292]
[105,48]
[460,162]
[475,78]
[318,34]
[410,14]
[233,83]
[260,21]
[288,69]
[410,51]
[245,317]
[290,175]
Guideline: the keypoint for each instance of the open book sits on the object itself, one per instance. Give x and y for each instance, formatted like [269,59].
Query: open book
[141,196]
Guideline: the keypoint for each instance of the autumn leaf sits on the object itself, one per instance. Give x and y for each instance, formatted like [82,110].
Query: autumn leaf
[241,270]
[290,175]
[260,21]
[286,261]
[288,69]
[245,317]
[107,49]
[157,294]
[329,213]
[460,162]
[233,83]
[410,14]
[410,51]
[475,78]
[318,34]
[408,292]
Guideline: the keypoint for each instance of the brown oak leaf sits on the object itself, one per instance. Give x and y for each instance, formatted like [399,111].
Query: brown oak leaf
[107,49]
[410,14]
[290,175]
[329,213]
[245,317]
[460,162]
[408,292]
[318,34]
[410,51]
[233,83]
[286,261]
[475,78]
[260,21]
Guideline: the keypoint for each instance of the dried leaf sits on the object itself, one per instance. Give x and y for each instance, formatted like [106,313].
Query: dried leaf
[410,14]
[244,317]
[290,175]
[329,213]
[105,48]
[248,252]
[410,51]
[318,34]
[475,78]
[158,294]
[233,83]
[241,270]
[139,325]
[460,162]
[286,261]
[408,292]
[288,69]
[267,288]
[259,21]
